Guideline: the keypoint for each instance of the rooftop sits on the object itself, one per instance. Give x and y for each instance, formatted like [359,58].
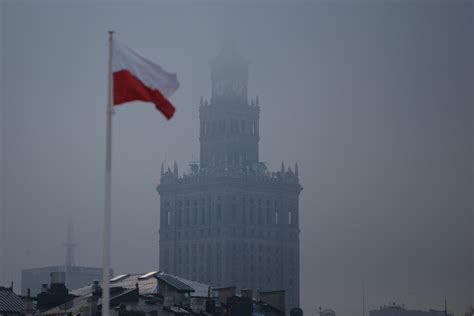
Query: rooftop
[147,283]
[10,302]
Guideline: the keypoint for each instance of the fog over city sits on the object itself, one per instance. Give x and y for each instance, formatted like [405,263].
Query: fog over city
[373,100]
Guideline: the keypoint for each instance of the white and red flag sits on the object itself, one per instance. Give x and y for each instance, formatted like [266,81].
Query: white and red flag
[135,78]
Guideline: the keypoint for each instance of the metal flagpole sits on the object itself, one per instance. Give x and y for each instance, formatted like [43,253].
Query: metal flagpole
[107,203]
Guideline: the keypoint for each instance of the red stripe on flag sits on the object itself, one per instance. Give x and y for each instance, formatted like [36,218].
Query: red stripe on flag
[128,88]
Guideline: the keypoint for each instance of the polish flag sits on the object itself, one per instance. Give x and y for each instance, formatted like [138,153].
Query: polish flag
[135,78]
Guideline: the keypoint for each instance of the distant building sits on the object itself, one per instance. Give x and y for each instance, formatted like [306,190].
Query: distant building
[75,277]
[230,221]
[399,310]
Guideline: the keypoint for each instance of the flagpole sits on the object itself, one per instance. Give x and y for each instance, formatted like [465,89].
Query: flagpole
[108,183]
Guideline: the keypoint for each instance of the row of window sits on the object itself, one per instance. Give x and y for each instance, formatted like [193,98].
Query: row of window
[235,247]
[231,126]
[200,216]
[245,200]
[237,232]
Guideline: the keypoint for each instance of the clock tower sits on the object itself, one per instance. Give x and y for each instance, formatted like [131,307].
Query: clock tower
[229,221]
[229,77]
[229,133]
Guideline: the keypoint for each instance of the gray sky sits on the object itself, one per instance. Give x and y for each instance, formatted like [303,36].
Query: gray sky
[374,101]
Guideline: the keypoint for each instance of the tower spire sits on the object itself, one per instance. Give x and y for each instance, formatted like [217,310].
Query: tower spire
[162,170]
[282,167]
[296,169]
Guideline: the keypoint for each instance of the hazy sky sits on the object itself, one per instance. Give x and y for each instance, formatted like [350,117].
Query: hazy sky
[374,101]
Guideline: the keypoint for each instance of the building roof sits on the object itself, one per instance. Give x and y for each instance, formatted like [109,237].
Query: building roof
[10,302]
[174,282]
[200,289]
[147,284]
[125,284]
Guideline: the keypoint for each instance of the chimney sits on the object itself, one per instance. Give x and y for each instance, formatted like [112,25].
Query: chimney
[275,299]
[58,284]
[58,277]
[28,304]
[96,287]
[44,288]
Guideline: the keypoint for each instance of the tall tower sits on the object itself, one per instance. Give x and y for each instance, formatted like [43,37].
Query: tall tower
[70,245]
[229,221]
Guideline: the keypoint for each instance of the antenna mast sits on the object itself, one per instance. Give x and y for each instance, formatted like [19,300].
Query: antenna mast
[70,245]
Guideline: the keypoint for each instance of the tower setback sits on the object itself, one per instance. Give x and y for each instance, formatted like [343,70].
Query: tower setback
[229,221]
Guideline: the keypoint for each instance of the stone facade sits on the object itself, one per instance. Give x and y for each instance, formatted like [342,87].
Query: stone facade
[229,221]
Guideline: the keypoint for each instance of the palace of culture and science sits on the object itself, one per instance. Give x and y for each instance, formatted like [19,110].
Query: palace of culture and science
[229,221]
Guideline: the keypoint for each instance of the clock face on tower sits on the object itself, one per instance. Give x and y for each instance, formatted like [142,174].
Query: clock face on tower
[238,87]
[219,87]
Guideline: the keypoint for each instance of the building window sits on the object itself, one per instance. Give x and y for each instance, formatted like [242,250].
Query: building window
[290,218]
[168,218]
[276,217]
